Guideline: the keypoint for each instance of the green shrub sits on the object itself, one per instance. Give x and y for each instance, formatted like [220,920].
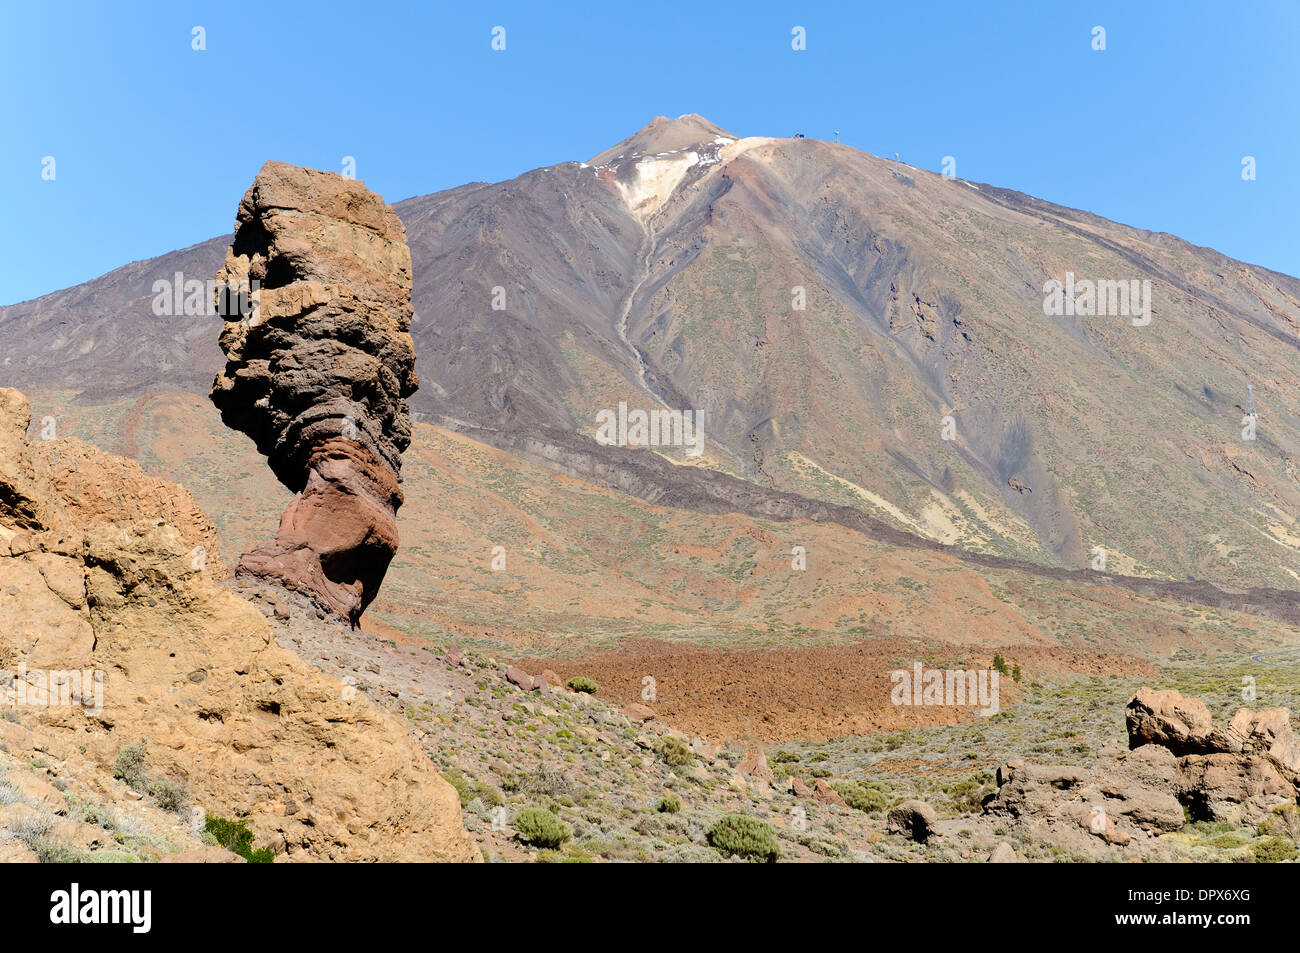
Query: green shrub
[1273,850]
[861,797]
[461,783]
[671,804]
[1226,841]
[170,797]
[468,789]
[738,835]
[129,767]
[1016,674]
[674,752]
[574,854]
[235,836]
[784,757]
[538,826]
[1284,821]
[581,683]
[999,663]
[48,852]
[968,795]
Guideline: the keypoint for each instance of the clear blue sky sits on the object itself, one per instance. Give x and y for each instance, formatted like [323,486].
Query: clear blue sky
[154,142]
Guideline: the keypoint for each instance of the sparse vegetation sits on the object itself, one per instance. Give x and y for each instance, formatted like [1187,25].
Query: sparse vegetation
[675,753]
[236,837]
[861,797]
[129,767]
[1273,850]
[739,835]
[170,797]
[539,827]
[669,804]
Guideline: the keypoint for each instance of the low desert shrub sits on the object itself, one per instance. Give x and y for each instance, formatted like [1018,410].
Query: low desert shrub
[1273,850]
[674,752]
[671,804]
[539,827]
[170,797]
[236,837]
[739,835]
[861,797]
[129,767]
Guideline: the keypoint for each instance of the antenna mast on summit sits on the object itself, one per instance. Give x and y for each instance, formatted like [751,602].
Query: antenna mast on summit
[837,135]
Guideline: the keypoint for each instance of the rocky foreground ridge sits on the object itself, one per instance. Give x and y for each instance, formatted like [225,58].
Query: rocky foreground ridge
[104,569]
[319,366]
[1180,768]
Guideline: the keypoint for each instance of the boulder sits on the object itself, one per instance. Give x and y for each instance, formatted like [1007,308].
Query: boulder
[1172,720]
[1269,732]
[913,819]
[826,794]
[755,764]
[638,712]
[1235,788]
[1179,764]
[1003,853]
[517,676]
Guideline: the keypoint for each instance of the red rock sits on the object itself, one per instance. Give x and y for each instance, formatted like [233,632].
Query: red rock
[638,712]
[797,787]
[826,794]
[517,676]
[755,764]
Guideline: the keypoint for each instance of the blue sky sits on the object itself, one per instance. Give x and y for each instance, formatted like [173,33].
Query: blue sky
[155,142]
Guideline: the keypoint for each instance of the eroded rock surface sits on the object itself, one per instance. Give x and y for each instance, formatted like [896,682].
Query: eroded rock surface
[1180,764]
[109,581]
[318,373]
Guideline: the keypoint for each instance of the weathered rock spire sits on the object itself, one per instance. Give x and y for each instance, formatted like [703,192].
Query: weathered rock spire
[319,366]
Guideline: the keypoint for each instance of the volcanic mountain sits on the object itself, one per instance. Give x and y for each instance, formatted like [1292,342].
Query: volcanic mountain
[864,342]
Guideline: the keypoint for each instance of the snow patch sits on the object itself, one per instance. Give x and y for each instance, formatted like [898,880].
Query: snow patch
[655,180]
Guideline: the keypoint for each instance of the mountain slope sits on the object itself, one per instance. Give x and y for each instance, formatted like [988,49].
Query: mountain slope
[667,272]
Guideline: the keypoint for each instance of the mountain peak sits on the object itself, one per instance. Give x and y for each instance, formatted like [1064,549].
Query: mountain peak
[664,134]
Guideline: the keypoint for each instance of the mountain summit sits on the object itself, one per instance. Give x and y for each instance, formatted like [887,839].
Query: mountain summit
[663,134]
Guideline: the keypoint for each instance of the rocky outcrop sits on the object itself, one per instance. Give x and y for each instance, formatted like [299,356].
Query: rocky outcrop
[1173,721]
[914,819]
[319,368]
[243,727]
[1180,764]
[1124,795]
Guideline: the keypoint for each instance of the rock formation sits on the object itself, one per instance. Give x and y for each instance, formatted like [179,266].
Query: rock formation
[319,367]
[101,570]
[1180,764]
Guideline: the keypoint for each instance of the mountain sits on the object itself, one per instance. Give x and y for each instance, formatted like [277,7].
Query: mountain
[830,317]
